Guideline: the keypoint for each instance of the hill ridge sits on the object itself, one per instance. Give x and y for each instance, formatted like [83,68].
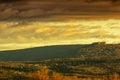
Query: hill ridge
[96,50]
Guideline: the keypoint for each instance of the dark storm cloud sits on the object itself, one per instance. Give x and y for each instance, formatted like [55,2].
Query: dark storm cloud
[58,0]
[9,1]
[45,8]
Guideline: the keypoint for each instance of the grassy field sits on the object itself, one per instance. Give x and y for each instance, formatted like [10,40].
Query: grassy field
[61,69]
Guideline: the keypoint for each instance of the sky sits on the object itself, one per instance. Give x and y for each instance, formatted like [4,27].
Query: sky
[33,23]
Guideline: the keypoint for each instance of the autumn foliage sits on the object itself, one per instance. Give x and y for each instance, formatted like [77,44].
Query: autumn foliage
[45,74]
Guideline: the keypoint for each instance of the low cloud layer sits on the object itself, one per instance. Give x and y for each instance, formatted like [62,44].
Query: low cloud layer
[18,32]
[56,33]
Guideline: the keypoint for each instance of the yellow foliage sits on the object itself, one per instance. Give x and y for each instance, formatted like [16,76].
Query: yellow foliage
[41,75]
[45,74]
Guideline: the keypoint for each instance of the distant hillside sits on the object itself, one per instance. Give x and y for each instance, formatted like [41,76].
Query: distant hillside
[38,53]
[95,51]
